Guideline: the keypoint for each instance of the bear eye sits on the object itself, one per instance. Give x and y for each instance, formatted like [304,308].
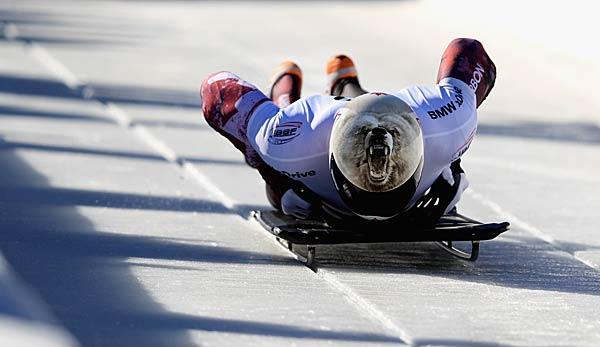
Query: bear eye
[363,130]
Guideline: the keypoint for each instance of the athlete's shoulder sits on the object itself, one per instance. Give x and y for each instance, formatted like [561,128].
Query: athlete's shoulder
[319,106]
[449,97]
[298,131]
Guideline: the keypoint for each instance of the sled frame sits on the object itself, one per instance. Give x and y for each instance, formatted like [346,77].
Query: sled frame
[292,233]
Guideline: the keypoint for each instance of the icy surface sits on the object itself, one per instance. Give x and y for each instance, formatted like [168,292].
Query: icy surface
[127,214]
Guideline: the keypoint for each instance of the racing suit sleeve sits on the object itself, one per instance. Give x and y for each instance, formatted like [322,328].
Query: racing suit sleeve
[466,60]
[227,104]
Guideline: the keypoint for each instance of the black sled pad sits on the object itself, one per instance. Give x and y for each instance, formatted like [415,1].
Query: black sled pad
[306,232]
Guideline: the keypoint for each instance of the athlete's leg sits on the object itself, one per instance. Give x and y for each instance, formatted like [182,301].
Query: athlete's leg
[342,77]
[348,87]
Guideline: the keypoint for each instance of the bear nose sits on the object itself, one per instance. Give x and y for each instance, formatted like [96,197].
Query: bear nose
[379,131]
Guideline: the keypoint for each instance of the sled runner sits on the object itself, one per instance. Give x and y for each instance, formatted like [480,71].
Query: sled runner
[290,231]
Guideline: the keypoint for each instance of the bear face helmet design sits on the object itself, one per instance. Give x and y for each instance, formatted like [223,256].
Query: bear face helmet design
[376,155]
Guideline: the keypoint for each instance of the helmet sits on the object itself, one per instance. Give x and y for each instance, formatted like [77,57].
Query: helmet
[376,155]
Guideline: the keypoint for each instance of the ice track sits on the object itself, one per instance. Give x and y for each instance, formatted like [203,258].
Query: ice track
[125,216]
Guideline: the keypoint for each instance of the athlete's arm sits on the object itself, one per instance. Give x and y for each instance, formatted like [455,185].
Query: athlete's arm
[466,60]
[227,104]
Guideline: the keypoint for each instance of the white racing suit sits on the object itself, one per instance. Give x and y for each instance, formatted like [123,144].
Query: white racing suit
[290,146]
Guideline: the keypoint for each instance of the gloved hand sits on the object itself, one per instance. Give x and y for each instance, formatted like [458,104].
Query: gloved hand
[293,205]
[463,184]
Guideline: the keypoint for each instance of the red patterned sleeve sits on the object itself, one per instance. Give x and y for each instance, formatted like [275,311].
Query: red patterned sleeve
[466,60]
[227,104]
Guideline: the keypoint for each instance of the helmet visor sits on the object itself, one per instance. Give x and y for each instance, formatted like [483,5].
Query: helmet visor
[375,205]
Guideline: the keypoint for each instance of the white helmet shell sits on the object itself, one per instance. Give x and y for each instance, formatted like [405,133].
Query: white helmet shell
[377,142]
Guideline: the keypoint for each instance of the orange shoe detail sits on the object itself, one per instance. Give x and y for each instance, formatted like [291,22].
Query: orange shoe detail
[338,67]
[283,69]
[339,62]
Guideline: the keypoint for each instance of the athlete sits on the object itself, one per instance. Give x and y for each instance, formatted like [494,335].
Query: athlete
[351,155]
